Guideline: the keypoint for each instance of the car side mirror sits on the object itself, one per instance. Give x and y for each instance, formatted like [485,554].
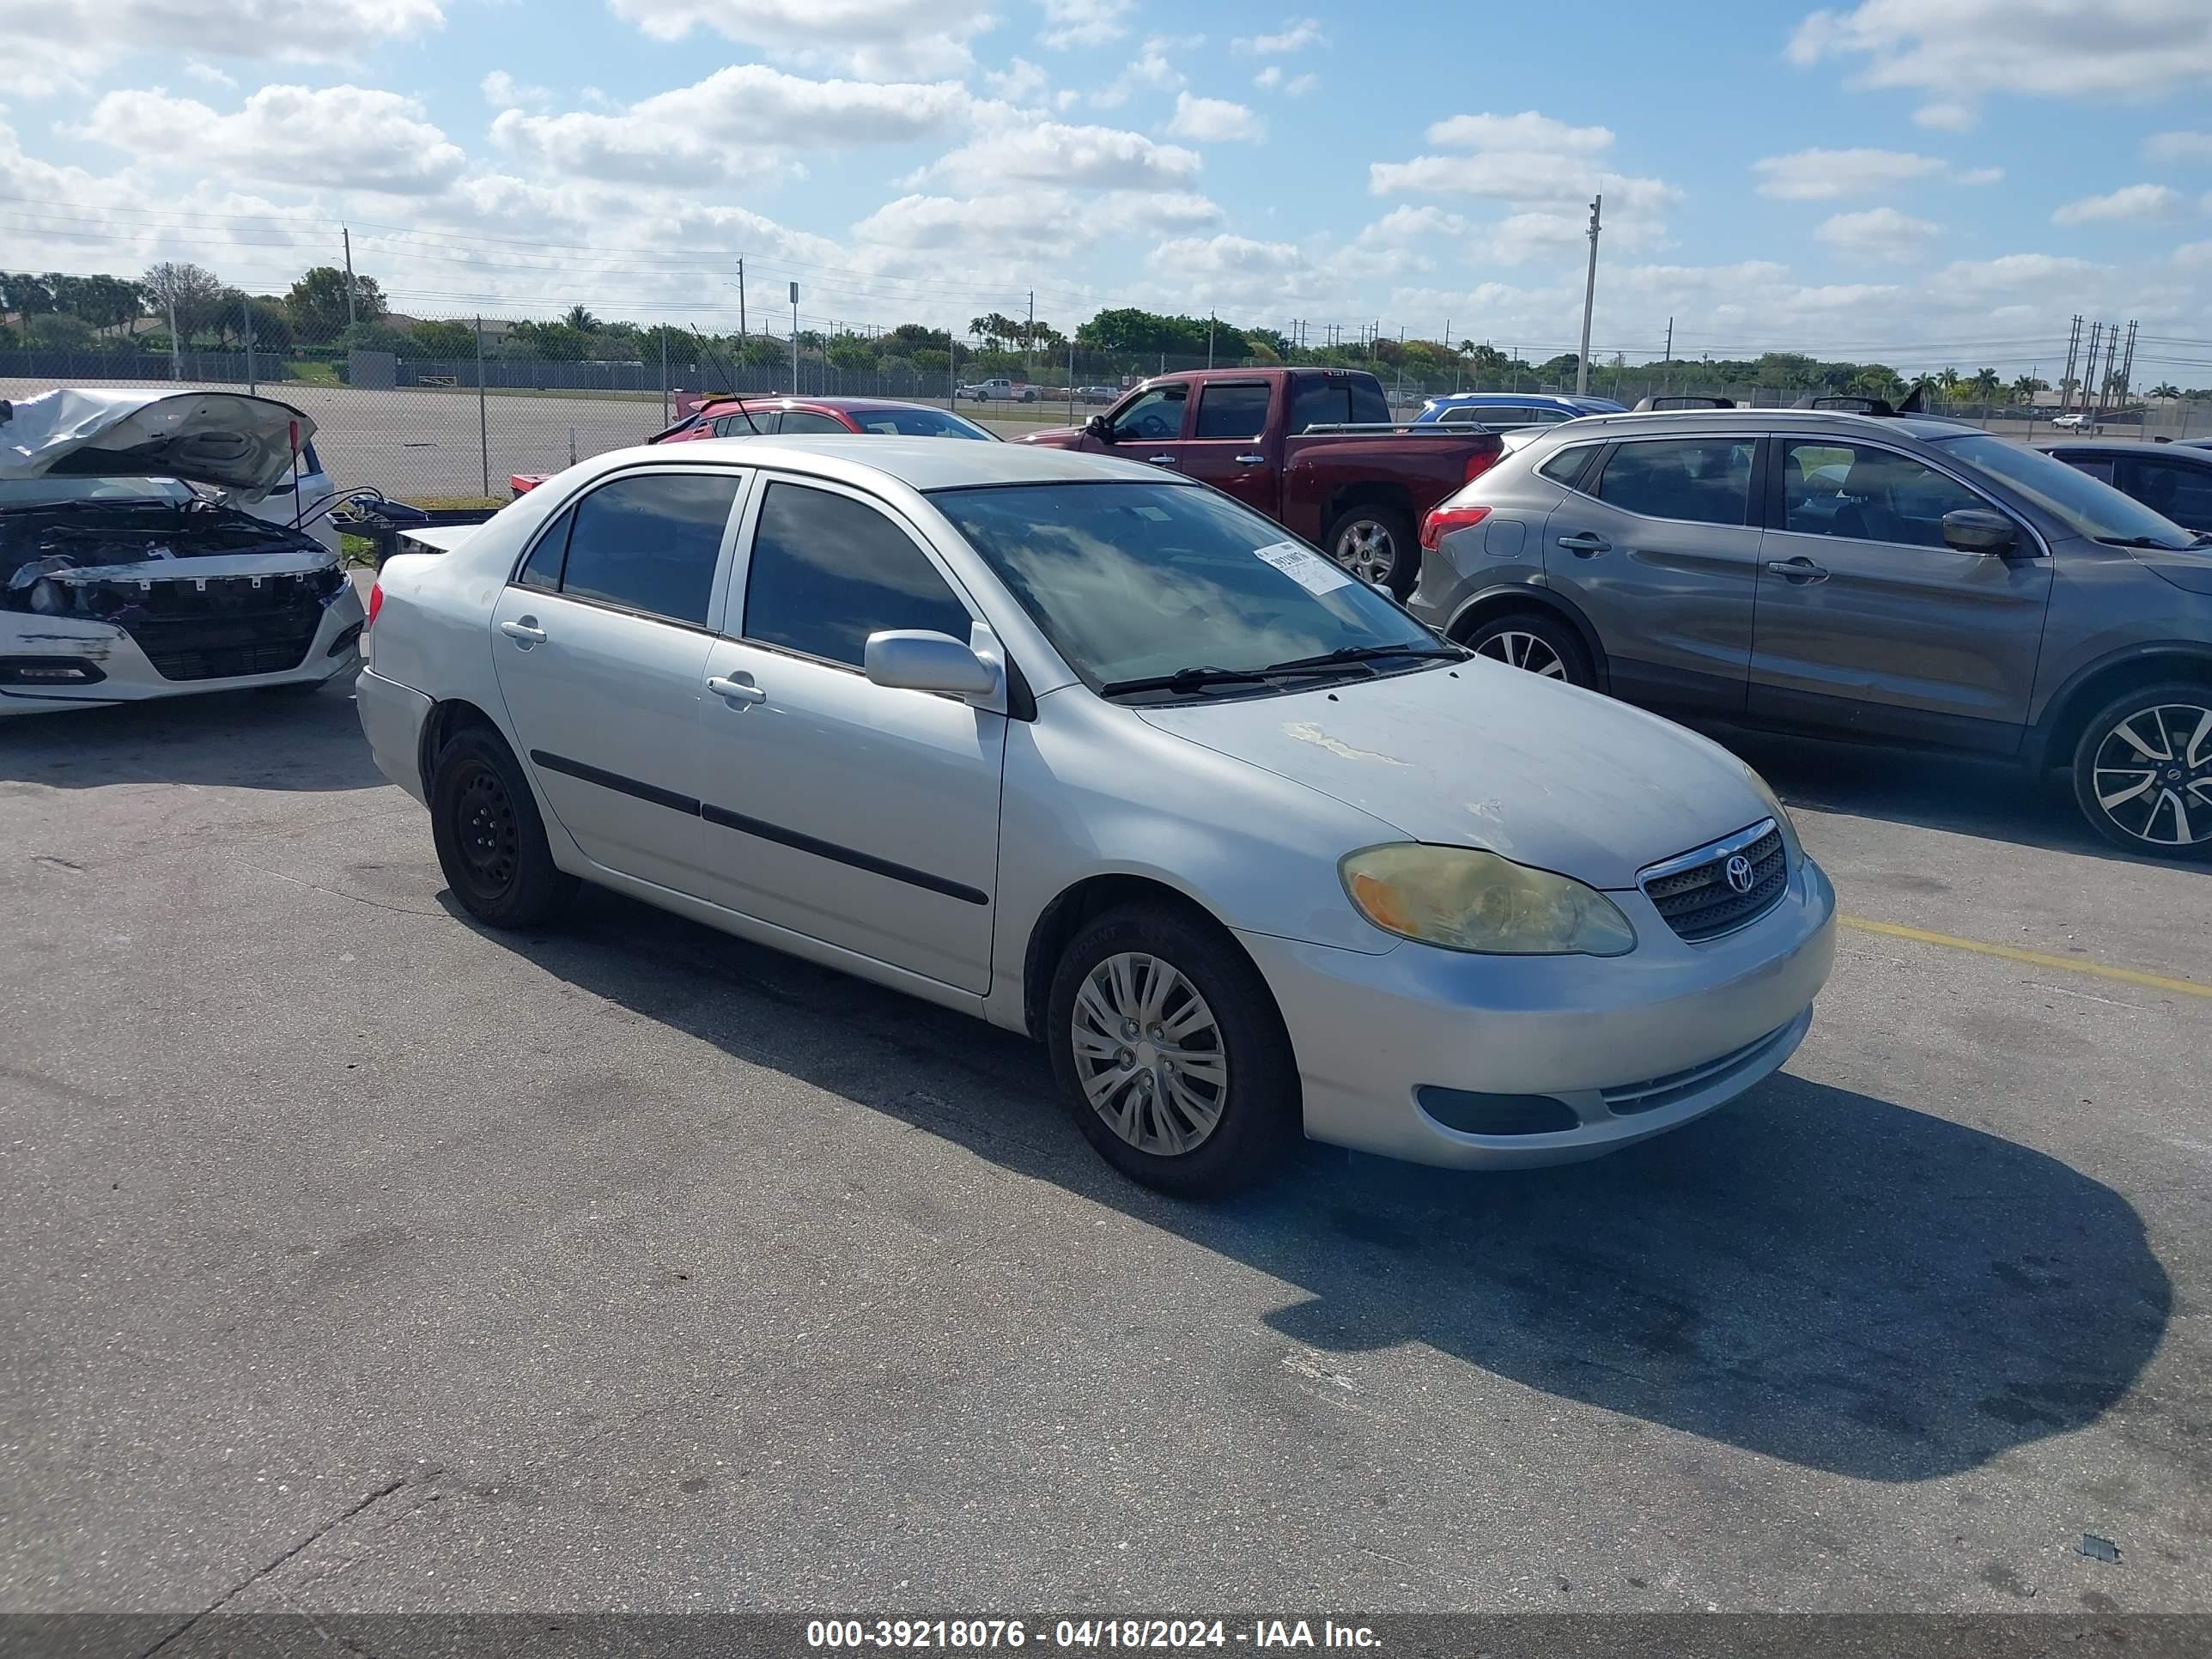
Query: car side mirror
[1100,428]
[1977,530]
[922,660]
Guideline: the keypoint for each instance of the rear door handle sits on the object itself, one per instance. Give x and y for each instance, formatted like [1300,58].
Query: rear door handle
[1161,461]
[1799,568]
[737,691]
[525,631]
[1251,460]
[1585,543]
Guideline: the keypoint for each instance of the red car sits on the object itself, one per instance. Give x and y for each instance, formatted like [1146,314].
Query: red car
[744,417]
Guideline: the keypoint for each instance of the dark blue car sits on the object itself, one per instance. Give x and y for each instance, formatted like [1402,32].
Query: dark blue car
[1503,410]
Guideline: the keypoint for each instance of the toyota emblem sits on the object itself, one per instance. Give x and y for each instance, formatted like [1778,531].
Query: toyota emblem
[1738,872]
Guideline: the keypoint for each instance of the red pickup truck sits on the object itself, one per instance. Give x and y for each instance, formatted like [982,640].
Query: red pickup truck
[1315,449]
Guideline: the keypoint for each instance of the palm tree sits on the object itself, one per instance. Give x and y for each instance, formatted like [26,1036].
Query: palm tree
[580,319]
[2025,387]
[2165,389]
[1984,386]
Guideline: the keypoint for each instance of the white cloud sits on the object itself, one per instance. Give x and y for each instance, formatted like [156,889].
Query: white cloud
[1957,49]
[367,140]
[1295,35]
[1406,223]
[2011,270]
[1882,232]
[1042,219]
[736,124]
[875,40]
[502,91]
[1054,153]
[1979,176]
[1299,85]
[55,45]
[208,75]
[1528,131]
[1151,68]
[1215,120]
[1084,22]
[1813,176]
[2178,147]
[1020,83]
[1269,78]
[1945,116]
[1505,175]
[2130,202]
[1520,237]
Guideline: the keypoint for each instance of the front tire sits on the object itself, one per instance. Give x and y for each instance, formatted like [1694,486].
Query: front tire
[1528,640]
[1377,545]
[2142,770]
[490,841]
[1169,1053]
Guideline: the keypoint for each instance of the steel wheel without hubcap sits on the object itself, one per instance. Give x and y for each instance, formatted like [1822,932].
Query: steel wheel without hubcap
[1518,650]
[485,832]
[1366,548]
[2153,775]
[1149,1054]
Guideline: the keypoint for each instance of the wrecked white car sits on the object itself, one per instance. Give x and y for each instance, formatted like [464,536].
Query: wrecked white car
[123,577]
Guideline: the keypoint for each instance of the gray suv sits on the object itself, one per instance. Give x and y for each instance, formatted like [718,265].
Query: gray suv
[1895,579]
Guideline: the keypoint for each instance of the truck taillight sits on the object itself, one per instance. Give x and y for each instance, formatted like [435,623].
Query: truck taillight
[1481,463]
[375,604]
[1443,520]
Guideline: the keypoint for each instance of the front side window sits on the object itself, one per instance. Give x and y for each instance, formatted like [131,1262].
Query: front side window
[650,543]
[1232,411]
[1866,494]
[1132,580]
[1157,414]
[827,571]
[1703,480]
[2080,503]
[801,422]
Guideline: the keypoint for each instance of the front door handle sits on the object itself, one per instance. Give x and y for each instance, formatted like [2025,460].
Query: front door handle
[736,691]
[1251,460]
[1799,569]
[527,631]
[1161,461]
[1584,542]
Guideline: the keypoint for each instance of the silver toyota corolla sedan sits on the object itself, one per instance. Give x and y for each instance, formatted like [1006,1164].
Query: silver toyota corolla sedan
[1099,754]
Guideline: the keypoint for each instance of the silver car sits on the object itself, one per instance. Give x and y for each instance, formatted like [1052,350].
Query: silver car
[1096,754]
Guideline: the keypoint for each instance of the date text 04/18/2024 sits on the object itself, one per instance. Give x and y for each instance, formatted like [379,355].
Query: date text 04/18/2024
[983,1635]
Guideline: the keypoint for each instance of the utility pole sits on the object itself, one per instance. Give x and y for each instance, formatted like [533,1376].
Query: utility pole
[741,299]
[2089,369]
[1029,340]
[794,340]
[2105,379]
[246,313]
[1209,339]
[2073,351]
[2128,364]
[346,232]
[176,346]
[1589,295]
[1666,373]
[483,430]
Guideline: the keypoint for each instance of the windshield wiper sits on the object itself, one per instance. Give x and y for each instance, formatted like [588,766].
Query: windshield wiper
[1185,680]
[2149,541]
[1351,654]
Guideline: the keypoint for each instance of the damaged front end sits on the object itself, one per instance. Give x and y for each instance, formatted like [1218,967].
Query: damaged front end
[203,591]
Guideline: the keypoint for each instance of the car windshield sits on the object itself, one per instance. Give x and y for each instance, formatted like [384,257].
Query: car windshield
[1137,580]
[919,424]
[2081,502]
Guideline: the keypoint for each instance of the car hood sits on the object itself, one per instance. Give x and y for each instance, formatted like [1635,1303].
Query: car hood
[2188,568]
[1486,755]
[224,437]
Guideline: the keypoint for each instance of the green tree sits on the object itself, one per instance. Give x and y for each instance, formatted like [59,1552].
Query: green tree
[317,302]
[577,318]
[854,354]
[2024,388]
[272,327]
[192,293]
[2165,389]
[104,303]
[57,331]
[450,341]
[26,294]
[1985,385]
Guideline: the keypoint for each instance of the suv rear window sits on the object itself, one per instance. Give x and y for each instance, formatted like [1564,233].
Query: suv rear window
[1701,480]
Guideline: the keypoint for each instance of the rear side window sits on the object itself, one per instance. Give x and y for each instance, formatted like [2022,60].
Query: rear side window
[1319,402]
[650,543]
[827,571]
[2099,467]
[2181,493]
[1232,411]
[542,570]
[806,420]
[1703,480]
[1368,406]
[1566,467]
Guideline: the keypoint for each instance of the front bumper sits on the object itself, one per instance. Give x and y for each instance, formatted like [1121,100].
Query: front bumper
[1633,1046]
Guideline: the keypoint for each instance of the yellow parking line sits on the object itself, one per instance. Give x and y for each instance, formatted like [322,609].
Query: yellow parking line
[2036,958]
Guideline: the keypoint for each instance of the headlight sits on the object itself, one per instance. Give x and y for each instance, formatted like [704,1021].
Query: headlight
[1780,815]
[1466,900]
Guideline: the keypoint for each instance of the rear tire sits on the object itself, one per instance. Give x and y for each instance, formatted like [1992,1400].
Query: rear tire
[1203,1099]
[490,840]
[1530,640]
[1377,545]
[2142,778]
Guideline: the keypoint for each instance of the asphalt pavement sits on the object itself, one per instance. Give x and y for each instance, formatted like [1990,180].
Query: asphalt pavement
[363,1259]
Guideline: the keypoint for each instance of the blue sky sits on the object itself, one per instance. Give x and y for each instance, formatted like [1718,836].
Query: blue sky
[1927,181]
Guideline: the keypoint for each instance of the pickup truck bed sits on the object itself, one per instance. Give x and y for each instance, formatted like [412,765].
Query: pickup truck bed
[1311,448]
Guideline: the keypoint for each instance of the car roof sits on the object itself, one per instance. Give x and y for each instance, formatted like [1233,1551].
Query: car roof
[919,463]
[780,400]
[1495,399]
[2125,446]
[1780,420]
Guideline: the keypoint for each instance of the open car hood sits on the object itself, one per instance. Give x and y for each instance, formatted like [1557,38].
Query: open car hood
[222,438]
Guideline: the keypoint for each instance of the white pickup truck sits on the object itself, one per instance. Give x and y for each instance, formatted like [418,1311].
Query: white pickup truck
[999,390]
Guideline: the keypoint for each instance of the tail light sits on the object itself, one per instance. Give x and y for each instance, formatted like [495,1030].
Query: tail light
[375,604]
[1443,520]
[1482,461]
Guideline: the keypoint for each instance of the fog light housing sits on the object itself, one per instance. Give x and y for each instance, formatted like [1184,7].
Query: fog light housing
[50,670]
[347,639]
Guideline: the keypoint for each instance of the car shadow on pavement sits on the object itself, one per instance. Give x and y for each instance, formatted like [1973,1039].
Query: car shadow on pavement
[1819,1275]
[280,738]
[1965,794]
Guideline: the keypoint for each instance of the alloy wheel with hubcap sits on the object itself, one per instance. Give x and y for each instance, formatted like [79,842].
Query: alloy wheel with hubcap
[2151,775]
[1531,652]
[1367,548]
[1149,1054]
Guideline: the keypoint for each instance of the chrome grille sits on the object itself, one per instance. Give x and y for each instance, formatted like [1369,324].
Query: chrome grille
[1693,894]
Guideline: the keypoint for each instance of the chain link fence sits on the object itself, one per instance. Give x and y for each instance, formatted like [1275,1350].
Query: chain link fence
[445,411]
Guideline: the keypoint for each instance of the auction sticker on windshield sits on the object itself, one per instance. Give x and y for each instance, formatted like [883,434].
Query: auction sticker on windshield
[1308,569]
